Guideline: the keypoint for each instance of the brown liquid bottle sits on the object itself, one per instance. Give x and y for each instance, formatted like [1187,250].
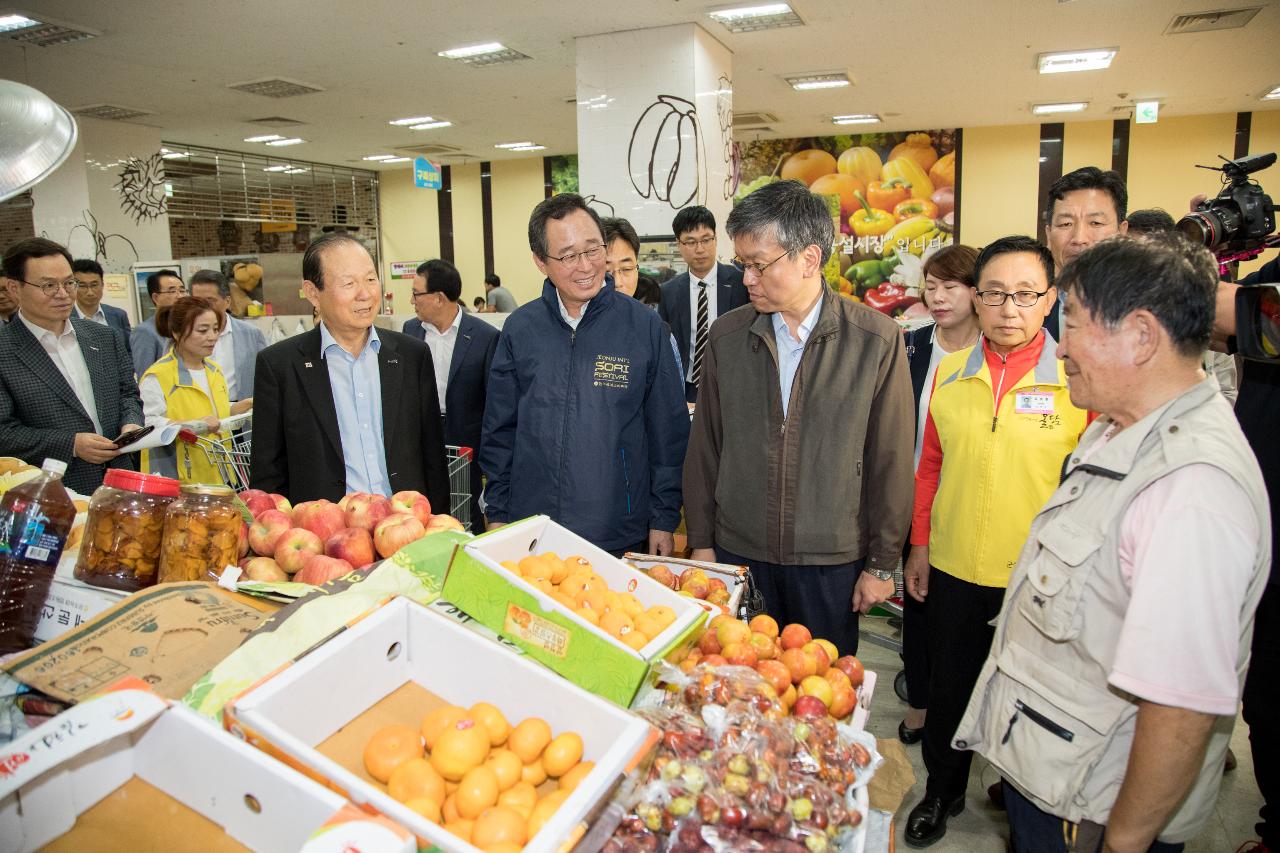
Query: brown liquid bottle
[35,520]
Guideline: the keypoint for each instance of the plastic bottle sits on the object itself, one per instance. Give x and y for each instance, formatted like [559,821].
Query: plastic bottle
[35,520]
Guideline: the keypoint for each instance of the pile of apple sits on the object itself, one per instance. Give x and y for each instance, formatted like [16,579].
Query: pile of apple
[317,541]
[810,676]
[694,583]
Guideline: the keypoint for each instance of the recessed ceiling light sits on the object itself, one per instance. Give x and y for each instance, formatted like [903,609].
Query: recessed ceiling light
[12,22]
[513,145]
[750,18]
[490,53]
[266,137]
[861,118]
[405,122]
[378,157]
[431,125]
[398,160]
[529,148]
[293,140]
[1050,109]
[1273,95]
[805,82]
[1077,60]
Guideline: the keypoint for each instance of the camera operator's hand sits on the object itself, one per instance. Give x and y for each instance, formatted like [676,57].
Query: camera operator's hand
[1196,201]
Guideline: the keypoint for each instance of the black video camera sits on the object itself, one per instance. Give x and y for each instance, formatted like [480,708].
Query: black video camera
[1241,221]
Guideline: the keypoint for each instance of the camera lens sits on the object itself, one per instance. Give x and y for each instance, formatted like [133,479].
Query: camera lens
[1200,227]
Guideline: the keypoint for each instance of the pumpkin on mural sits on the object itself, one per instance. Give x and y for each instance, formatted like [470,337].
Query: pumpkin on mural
[666,155]
[141,188]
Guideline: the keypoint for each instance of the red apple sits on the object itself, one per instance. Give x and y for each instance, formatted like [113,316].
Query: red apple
[242,540]
[249,494]
[776,673]
[414,503]
[794,636]
[732,631]
[366,511]
[843,701]
[716,584]
[441,523]
[663,575]
[819,652]
[396,531]
[282,504]
[800,663]
[320,517]
[832,651]
[719,596]
[816,685]
[263,569]
[714,660]
[765,649]
[258,504]
[695,582]
[321,569]
[266,531]
[837,678]
[708,643]
[763,623]
[740,654]
[808,706]
[296,547]
[851,667]
[355,545]
[345,500]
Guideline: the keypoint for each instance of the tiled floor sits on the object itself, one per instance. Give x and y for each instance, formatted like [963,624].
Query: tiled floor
[982,829]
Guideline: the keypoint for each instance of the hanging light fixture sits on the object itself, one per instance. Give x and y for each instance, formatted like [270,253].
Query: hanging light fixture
[38,137]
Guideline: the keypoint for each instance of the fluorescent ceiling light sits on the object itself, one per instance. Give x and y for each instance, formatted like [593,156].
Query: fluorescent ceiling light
[513,144]
[1050,109]
[398,160]
[472,50]
[805,82]
[173,155]
[378,157]
[275,168]
[405,122]
[431,125]
[529,148]
[1273,95]
[862,118]
[294,170]
[266,137]
[294,140]
[12,22]
[1078,60]
[752,18]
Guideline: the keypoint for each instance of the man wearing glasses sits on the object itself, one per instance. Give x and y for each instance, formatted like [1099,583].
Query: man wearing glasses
[89,305]
[799,462]
[693,300]
[66,384]
[165,288]
[585,419]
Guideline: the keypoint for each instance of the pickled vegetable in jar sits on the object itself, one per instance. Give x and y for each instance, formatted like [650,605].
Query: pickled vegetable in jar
[121,545]
[201,534]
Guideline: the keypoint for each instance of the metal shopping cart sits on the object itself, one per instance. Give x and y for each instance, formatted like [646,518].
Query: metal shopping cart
[459,462]
[229,454]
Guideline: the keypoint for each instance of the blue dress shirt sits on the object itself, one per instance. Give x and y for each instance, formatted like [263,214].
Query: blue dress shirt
[357,398]
[790,350]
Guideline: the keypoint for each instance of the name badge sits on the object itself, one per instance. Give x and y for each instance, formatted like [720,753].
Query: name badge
[1032,403]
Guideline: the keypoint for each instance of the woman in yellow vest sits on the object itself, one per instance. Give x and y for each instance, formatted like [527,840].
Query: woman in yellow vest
[1000,423]
[186,387]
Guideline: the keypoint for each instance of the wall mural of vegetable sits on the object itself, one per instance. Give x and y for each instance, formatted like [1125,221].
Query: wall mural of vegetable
[667,153]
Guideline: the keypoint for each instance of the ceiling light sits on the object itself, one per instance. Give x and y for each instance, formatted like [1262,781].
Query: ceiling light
[529,148]
[13,21]
[763,16]
[1273,95]
[275,168]
[294,170]
[378,157]
[405,122]
[861,118]
[513,144]
[173,155]
[293,140]
[431,125]
[398,160]
[268,137]
[1050,109]
[806,82]
[489,53]
[1079,60]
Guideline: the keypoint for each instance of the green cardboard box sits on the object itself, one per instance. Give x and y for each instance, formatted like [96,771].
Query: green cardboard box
[545,629]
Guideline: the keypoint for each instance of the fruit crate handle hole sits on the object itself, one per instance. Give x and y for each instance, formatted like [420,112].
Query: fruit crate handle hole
[393,652]
[532,545]
[251,803]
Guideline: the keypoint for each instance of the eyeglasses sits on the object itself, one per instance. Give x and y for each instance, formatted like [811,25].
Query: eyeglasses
[758,269]
[571,260]
[172,290]
[696,244]
[89,285]
[414,294]
[51,288]
[624,270]
[1021,298]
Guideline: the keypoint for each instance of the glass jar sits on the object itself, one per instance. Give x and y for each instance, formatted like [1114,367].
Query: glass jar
[121,545]
[201,534]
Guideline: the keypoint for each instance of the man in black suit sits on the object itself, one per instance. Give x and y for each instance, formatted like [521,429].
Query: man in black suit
[89,305]
[462,349]
[345,407]
[691,308]
[66,384]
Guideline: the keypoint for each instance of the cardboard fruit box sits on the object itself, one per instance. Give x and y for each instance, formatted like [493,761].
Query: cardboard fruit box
[548,631]
[400,662]
[734,577]
[128,770]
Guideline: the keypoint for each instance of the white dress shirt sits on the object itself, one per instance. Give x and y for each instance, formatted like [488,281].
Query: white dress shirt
[155,406]
[224,355]
[64,351]
[564,312]
[713,311]
[441,345]
[99,317]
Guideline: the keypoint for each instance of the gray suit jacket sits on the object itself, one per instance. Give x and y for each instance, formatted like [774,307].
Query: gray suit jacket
[246,341]
[146,345]
[40,414]
[116,318]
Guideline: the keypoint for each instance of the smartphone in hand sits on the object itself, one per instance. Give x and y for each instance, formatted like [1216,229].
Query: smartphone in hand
[133,435]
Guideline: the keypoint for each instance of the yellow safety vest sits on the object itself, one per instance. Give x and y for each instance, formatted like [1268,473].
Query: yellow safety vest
[186,401]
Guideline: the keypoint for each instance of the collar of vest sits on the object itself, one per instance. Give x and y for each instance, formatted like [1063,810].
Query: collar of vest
[1120,454]
[1046,369]
[184,374]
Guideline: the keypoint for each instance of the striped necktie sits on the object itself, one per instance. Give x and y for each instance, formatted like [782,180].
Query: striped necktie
[700,341]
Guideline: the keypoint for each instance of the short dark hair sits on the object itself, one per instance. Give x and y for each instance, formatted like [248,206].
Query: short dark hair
[616,228]
[1151,219]
[1011,245]
[153,280]
[1173,278]
[442,277]
[211,277]
[311,269]
[648,291]
[1089,178]
[787,212]
[478,302]
[493,280]
[17,255]
[556,207]
[953,263]
[87,265]
[691,219]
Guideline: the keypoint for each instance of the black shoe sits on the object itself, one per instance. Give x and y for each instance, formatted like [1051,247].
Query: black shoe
[995,792]
[928,821]
[907,735]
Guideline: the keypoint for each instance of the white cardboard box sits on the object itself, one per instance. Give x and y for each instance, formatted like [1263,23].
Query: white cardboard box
[305,703]
[53,774]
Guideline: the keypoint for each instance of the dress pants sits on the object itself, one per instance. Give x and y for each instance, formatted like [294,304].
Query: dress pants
[1032,830]
[915,645]
[818,597]
[1261,695]
[959,639]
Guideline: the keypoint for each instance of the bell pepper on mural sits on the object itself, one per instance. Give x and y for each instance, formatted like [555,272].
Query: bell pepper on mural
[870,221]
[889,299]
[888,194]
[904,210]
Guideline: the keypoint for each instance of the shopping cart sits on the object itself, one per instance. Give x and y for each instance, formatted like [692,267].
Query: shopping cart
[459,462]
[229,454]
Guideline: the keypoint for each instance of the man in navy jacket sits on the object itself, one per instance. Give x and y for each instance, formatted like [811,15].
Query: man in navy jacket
[585,418]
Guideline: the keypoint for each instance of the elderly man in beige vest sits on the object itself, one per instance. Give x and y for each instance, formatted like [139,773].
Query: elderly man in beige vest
[1107,700]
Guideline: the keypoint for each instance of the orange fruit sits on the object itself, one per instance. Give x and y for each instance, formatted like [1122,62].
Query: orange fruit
[529,565]
[506,765]
[492,719]
[543,811]
[561,754]
[389,748]
[416,779]
[616,623]
[427,807]
[574,777]
[592,599]
[521,796]
[499,825]
[534,774]
[559,570]
[502,847]
[630,605]
[512,566]
[539,567]
[476,792]
[578,564]
[459,749]
[450,786]
[449,811]
[460,828]
[636,639]
[563,599]
[529,738]
[434,723]
[541,585]
[592,616]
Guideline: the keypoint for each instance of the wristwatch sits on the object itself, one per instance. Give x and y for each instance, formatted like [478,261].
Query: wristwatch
[880,574]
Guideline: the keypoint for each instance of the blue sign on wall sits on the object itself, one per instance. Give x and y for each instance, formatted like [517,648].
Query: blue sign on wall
[426,174]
